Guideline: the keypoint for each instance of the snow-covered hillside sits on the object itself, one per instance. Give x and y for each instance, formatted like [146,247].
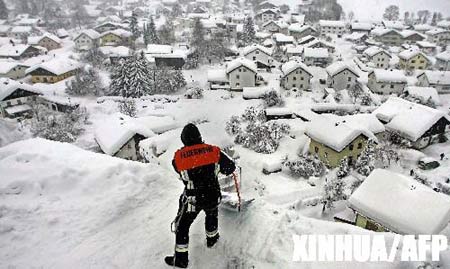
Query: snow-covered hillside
[63,207]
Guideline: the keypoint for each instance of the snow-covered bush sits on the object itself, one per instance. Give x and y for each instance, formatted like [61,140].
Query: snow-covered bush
[128,107]
[333,191]
[252,114]
[85,82]
[343,168]
[272,98]
[365,164]
[233,126]
[194,93]
[63,127]
[305,166]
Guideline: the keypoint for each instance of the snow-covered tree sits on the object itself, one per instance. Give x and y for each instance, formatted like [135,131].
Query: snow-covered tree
[391,13]
[134,27]
[386,154]
[343,168]
[79,15]
[23,6]
[248,36]
[177,11]
[150,33]
[166,33]
[197,40]
[132,78]
[94,56]
[365,164]
[168,80]
[215,47]
[251,113]
[233,126]
[333,191]
[272,98]
[63,127]
[128,107]
[3,10]
[85,82]
[194,92]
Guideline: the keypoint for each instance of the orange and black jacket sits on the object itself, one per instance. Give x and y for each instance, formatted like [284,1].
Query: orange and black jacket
[198,166]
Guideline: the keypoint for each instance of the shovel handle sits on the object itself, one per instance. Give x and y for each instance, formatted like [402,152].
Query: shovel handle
[237,191]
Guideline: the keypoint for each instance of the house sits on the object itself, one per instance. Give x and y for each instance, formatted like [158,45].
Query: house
[62,33]
[440,80]
[47,40]
[438,36]
[389,37]
[57,103]
[379,57]
[341,76]
[53,71]
[315,44]
[443,61]
[18,51]
[445,24]
[299,31]
[262,56]
[119,136]
[109,26]
[116,38]
[333,140]
[411,37]
[361,27]
[400,118]
[332,27]
[241,73]
[275,27]
[20,32]
[316,57]
[116,54]
[266,5]
[165,55]
[218,79]
[16,98]
[306,39]
[282,39]
[387,81]
[396,25]
[422,28]
[357,38]
[87,39]
[266,15]
[388,201]
[12,69]
[293,51]
[295,75]
[413,59]
[426,47]
[422,95]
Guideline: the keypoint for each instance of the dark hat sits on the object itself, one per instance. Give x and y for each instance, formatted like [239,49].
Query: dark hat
[191,135]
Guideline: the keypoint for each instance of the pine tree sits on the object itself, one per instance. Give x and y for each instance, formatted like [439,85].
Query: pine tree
[176,10]
[134,27]
[132,78]
[128,107]
[86,82]
[166,33]
[365,164]
[150,34]
[198,38]
[249,34]
[168,80]
[3,10]
[343,169]
[333,191]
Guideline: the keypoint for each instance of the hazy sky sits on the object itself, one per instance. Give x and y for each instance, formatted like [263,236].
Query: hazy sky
[373,9]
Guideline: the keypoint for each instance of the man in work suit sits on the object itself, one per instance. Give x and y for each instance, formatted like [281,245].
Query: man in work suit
[197,164]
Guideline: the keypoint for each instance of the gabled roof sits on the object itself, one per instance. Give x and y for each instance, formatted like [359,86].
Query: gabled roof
[254,47]
[337,67]
[241,62]
[56,66]
[330,23]
[9,50]
[444,56]
[8,86]
[395,76]
[34,40]
[291,66]
[408,54]
[374,50]
[92,34]
[437,77]
[299,28]
[316,53]
[118,32]
[7,66]
[401,204]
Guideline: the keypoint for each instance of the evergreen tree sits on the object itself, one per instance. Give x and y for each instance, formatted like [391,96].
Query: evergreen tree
[132,78]
[150,34]
[365,164]
[86,82]
[333,191]
[215,47]
[23,6]
[343,168]
[249,34]
[176,10]
[166,33]
[168,80]
[94,56]
[434,19]
[3,10]
[198,38]
[128,107]
[134,27]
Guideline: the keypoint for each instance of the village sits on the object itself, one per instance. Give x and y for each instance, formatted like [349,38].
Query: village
[339,122]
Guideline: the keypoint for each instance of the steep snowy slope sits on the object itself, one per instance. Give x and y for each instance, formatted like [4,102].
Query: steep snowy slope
[63,207]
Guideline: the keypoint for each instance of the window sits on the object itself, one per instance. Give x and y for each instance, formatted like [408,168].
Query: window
[8,103]
[294,85]
[359,145]
[316,149]
[302,78]
[19,102]
[392,86]
[257,52]
[349,79]
[294,78]
[350,160]
[382,86]
[254,58]
[413,61]
[350,147]
[238,77]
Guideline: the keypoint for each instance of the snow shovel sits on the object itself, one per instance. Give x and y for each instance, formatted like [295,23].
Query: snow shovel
[231,200]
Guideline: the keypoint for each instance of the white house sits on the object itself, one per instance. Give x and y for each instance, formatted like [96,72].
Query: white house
[275,27]
[341,76]
[87,39]
[436,79]
[379,57]
[241,73]
[332,27]
[316,57]
[387,81]
[295,75]
[443,61]
[438,36]
[12,69]
[266,15]
[299,31]
[262,56]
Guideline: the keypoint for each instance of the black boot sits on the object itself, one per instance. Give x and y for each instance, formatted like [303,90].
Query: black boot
[211,241]
[180,259]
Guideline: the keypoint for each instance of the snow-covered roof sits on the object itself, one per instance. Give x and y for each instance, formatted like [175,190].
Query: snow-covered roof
[217,75]
[306,39]
[329,23]
[426,44]
[57,66]
[424,93]
[6,66]
[374,50]
[281,24]
[116,130]
[396,76]
[409,33]
[444,56]
[444,24]
[335,134]
[408,54]
[402,117]
[119,51]
[236,63]
[320,42]
[9,50]
[337,67]
[159,49]
[401,204]
[438,77]
[293,65]
[383,31]
[299,28]
[8,86]
[279,37]
[21,29]
[361,121]
[423,27]
[316,53]
[118,32]
[355,36]
[251,48]
[436,31]
[61,33]
[34,40]
[394,25]
[92,34]
[367,26]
